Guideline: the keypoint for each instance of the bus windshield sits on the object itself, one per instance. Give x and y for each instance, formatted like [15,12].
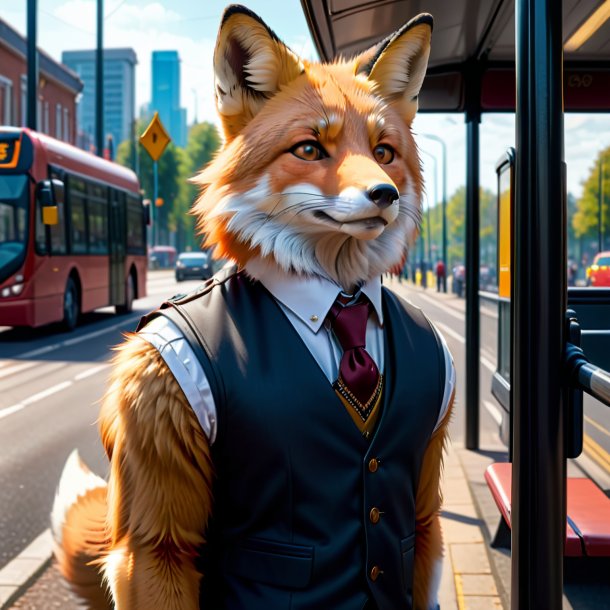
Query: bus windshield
[13,223]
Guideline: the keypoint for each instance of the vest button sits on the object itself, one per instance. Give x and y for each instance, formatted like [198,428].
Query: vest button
[373,465]
[374,573]
[374,515]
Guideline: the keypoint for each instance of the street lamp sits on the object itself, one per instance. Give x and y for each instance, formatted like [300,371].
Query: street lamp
[434,137]
[435,166]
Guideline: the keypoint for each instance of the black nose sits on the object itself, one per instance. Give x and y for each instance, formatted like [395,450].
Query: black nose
[383,195]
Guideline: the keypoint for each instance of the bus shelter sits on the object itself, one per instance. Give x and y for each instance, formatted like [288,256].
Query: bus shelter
[536,58]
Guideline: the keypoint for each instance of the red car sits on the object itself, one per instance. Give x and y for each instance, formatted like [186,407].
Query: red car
[598,274]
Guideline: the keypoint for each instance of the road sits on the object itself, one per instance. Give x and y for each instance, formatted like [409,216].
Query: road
[50,387]
[51,384]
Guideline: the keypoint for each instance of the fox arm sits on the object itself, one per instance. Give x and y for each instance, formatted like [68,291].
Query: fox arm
[428,536]
[160,487]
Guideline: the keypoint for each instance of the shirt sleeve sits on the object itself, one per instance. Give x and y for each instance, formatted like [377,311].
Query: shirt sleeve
[179,357]
[449,379]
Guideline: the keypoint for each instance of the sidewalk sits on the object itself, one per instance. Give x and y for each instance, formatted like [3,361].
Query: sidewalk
[468,582]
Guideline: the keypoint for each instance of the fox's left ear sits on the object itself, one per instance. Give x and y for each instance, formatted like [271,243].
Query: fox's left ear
[250,65]
[397,65]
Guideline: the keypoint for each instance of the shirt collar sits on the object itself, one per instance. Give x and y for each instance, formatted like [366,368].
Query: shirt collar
[308,297]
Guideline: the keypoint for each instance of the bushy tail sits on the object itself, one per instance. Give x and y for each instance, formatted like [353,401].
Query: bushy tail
[78,523]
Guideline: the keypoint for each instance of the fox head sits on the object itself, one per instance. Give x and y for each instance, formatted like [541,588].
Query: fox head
[319,172]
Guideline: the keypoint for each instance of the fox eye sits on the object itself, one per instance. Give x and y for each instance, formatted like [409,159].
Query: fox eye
[309,151]
[383,154]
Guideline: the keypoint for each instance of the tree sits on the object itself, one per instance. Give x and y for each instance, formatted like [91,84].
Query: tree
[175,167]
[203,142]
[586,220]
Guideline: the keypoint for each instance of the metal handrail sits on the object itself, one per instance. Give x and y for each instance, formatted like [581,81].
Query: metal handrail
[587,377]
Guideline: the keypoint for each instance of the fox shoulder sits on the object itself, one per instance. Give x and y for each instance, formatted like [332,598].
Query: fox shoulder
[161,469]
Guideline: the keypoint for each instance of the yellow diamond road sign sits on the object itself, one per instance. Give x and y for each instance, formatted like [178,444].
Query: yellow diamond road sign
[155,138]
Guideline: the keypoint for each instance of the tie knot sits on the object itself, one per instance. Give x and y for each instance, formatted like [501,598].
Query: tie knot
[349,322]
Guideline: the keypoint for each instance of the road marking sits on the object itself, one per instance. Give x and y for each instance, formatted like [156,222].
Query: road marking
[11,370]
[597,425]
[35,398]
[447,330]
[597,453]
[446,309]
[493,411]
[74,341]
[90,372]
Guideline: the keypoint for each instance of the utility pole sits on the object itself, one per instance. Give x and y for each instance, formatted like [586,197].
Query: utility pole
[434,137]
[600,195]
[32,82]
[99,81]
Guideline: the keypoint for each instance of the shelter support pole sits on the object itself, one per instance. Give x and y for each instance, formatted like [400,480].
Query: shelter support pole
[155,233]
[32,54]
[99,81]
[473,119]
[540,297]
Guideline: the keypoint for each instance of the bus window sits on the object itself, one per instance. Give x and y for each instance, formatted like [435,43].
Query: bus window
[98,219]
[135,226]
[77,193]
[58,231]
[13,223]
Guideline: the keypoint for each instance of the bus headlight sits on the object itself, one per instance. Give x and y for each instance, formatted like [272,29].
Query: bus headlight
[16,288]
[6,292]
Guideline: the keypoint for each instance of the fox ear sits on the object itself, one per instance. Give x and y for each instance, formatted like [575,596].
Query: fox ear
[250,65]
[397,65]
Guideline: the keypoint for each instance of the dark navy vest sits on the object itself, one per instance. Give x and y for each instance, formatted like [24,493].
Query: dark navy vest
[295,479]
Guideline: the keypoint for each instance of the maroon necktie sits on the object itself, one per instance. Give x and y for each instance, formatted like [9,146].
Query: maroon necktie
[359,381]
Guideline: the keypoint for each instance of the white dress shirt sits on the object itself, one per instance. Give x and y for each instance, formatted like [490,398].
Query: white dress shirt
[306,302]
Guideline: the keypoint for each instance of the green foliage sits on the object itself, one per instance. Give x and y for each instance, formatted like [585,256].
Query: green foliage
[175,167]
[585,221]
[456,228]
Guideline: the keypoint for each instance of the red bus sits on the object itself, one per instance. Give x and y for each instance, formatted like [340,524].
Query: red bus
[72,232]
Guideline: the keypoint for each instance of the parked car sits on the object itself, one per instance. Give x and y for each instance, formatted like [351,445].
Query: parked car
[195,265]
[161,257]
[598,274]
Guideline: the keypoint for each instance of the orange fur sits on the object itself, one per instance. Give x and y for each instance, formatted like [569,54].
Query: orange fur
[159,495]
[428,535]
[148,525]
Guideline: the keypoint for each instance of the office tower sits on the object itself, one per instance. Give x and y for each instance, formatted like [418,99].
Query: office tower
[166,94]
[119,94]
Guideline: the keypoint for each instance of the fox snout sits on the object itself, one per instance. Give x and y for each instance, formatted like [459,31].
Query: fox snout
[383,195]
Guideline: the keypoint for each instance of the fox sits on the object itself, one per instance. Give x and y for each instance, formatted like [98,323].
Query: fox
[217,497]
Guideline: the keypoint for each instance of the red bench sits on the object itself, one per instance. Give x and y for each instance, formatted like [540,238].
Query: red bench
[588,527]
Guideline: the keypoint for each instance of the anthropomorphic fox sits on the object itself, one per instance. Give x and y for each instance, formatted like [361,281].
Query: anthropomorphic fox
[247,471]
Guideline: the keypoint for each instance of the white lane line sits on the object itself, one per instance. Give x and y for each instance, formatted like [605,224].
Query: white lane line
[74,341]
[449,310]
[17,368]
[493,411]
[90,372]
[452,311]
[446,330]
[35,398]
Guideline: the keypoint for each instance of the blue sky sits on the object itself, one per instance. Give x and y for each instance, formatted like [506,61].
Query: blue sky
[190,27]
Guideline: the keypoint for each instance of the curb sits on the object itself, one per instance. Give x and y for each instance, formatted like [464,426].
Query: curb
[17,575]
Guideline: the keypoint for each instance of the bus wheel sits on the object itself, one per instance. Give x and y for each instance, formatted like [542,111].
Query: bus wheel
[130,291]
[71,308]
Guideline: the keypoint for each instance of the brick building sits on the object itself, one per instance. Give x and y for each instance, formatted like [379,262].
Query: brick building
[58,88]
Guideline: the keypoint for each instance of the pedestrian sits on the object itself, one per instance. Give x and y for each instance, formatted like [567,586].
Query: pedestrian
[441,276]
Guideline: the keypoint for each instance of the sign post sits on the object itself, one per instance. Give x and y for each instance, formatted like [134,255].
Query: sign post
[155,140]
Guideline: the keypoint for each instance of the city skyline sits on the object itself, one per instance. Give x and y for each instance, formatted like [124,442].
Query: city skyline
[148,25]
[119,93]
[165,94]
